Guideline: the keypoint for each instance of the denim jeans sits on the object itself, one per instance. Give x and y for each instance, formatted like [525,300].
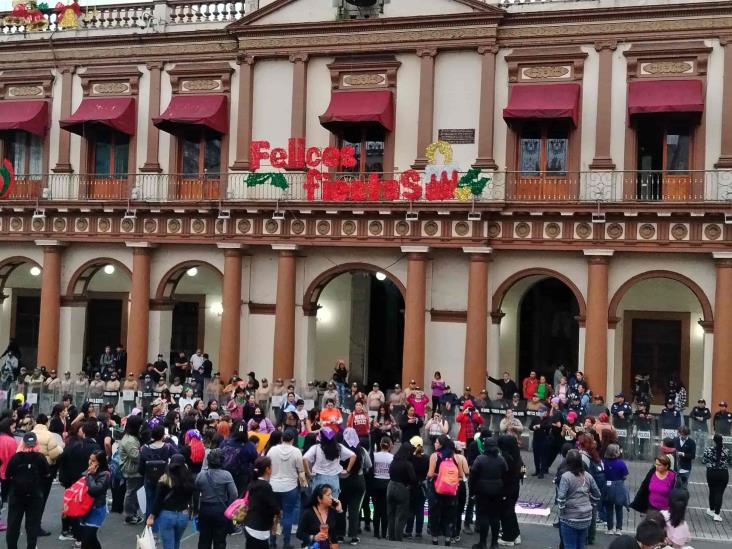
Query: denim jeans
[572,537]
[171,525]
[290,505]
[131,505]
[331,480]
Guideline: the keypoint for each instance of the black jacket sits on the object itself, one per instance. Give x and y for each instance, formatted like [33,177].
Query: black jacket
[98,484]
[75,460]
[486,475]
[263,506]
[33,468]
[689,450]
[509,388]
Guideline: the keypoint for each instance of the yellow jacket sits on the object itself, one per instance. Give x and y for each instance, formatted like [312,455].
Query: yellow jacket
[47,444]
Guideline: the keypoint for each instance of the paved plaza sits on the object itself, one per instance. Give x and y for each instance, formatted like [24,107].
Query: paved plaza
[537,531]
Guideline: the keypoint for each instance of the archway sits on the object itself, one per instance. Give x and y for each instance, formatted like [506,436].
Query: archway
[540,311]
[359,318]
[660,320]
[193,289]
[20,304]
[103,284]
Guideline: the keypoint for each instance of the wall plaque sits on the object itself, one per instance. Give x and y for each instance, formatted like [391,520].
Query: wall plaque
[457,136]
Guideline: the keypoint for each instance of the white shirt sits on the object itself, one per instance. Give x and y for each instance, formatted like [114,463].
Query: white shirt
[197,363]
[321,466]
[382,461]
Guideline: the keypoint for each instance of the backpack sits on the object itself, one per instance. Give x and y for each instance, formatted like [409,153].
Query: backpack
[154,468]
[232,458]
[448,477]
[115,468]
[27,479]
[77,501]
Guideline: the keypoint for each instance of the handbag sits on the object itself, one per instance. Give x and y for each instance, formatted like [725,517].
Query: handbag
[77,502]
[146,540]
[238,509]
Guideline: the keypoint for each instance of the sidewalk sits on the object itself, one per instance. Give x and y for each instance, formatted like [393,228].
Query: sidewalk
[701,526]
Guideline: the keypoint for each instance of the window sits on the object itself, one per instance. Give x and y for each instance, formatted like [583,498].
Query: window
[110,154]
[664,158]
[25,151]
[369,146]
[200,156]
[543,150]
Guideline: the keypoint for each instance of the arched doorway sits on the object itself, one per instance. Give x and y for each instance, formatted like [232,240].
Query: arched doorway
[194,290]
[20,304]
[104,283]
[548,332]
[359,318]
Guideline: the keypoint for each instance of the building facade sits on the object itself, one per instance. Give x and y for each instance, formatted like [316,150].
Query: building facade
[467,186]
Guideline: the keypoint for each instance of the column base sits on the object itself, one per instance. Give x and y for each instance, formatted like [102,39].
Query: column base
[63,168]
[151,167]
[419,164]
[724,163]
[485,163]
[241,166]
[602,163]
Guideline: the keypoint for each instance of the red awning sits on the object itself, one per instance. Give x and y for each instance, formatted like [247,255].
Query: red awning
[209,111]
[29,116]
[552,101]
[657,96]
[375,107]
[117,113]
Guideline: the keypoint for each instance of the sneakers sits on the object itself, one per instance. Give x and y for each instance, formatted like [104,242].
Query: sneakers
[134,520]
[506,543]
[710,512]
[618,532]
[517,541]
[77,545]
[354,541]
[66,536]
[43,533]
[718,518]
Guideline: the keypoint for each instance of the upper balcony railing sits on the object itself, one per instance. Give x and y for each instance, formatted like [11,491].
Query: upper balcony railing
[126,15]
[701,187]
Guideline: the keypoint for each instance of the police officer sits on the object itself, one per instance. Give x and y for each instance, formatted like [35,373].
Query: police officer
[620,409]
[575,405]
[700,414]
[723,420]
[670,417]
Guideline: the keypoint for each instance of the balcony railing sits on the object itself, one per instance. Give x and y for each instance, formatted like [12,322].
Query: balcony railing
[137,15]
[714,186]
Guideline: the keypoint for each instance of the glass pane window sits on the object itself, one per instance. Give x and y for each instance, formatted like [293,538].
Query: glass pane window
[191,151]
[19,154]
[357,148]
[212,158]
[677,151]
[529,155]
[111,154]
[374,161]
[35,156]
[556,156]
[102,154]
[369,151]
[25,152]
[121,156]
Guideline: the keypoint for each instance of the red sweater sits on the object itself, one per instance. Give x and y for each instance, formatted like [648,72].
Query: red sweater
[360,422]
[530,386]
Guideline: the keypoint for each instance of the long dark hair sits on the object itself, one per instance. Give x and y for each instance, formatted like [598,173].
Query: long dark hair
[101,456]
[510,451]
[318,492]
[718,445]
[179,475]
[447,448]
[677,501]
[132,427]
[404,453]
[274,439]
[261,464]
[329,447]
[574,463]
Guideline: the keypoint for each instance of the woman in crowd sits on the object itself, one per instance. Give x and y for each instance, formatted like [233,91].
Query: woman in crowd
[323,461]
[410,424]
[353,485]
[593,464]
[717,459]
[186,399]
[436,426]
[173,499]
[129,457]
[419,400]
[383,425]
[514,474]
[486,482]
[656,487]
[318,521]
[331,417]
[260,423]
[217,490]
[359,420]
[263,510]
[8,446]
[379,486]
[98,481]
[442,506]
[153,458]
[240,451]
[193,450]
[616,493]
[469,420]
[438,389]
[421,464]
[59,422]
[541,427]
[401,480]
[677,531]
[576,497]
[235,407]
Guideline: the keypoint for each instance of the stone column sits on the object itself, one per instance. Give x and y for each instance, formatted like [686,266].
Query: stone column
[721,379]
[245,118]
[231,317]
[138,323]
[161,328]
[603,159]
[284,331]
[63,162]
[299,94]
[487,106]
[414,314]
[426,104]
[152,162]
[725,157]
[476,328]
[48,328]
[596,324]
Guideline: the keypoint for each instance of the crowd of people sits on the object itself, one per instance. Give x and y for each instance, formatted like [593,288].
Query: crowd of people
[332,463]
